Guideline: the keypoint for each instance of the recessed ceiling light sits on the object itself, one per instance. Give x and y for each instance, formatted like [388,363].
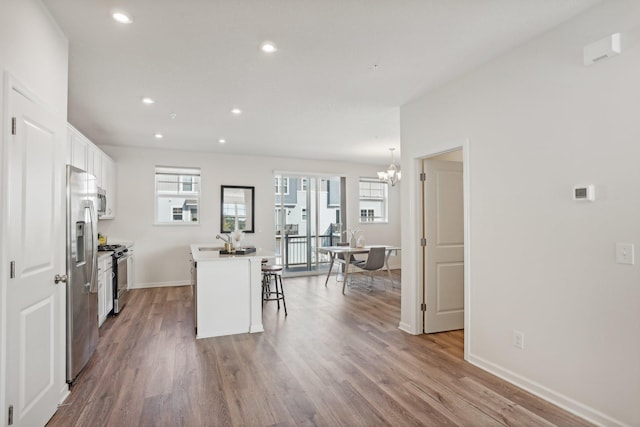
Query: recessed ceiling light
[122,17]
[268,47]
[222,141]
[236,111]
[147,100]
[158,136]
[172,115]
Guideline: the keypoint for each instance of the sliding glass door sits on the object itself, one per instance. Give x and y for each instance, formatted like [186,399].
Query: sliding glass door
[308,213]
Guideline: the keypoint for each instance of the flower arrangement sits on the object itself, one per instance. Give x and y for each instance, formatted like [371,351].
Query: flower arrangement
[236,236]
[353,234]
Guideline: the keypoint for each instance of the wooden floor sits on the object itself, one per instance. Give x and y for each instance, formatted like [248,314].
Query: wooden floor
[333,361]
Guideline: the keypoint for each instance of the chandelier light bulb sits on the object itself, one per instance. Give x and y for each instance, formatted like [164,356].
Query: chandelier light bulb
[392,174]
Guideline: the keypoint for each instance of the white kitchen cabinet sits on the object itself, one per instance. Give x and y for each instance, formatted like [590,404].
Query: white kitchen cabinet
[84,154]
[94,162]
[77,146]
[108,170]
[108,277]
[105,287]
[101,293]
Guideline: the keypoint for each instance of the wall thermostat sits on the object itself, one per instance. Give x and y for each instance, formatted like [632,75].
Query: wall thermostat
[584,193]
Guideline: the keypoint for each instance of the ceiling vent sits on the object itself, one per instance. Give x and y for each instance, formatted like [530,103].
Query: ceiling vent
[602,49]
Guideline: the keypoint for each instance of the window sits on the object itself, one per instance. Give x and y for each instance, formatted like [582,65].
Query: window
[367,215]
[373,200]
[177,213]
[186,184]
[333,192]
[282,185]
[177,195]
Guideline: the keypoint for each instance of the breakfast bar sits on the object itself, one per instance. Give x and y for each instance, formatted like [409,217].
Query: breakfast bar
[227,291]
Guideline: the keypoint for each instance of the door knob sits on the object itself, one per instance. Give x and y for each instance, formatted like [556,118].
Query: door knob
[60,278]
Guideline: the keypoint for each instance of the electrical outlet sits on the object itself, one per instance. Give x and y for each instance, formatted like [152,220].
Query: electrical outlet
[518,339]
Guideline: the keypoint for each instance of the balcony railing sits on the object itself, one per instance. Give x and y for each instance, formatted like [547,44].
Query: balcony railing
[301,250]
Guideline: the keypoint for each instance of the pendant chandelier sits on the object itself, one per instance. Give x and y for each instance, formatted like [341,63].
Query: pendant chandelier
[392,174]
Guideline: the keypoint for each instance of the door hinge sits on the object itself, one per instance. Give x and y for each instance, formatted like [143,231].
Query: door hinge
[423,176]
[423,241]
[12,270]
[13,125]
[10,415]
[423,307]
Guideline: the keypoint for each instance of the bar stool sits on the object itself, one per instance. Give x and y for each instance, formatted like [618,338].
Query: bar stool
[273,272]
[266,288]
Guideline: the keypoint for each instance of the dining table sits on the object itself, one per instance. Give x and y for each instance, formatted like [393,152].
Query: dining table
[347,251]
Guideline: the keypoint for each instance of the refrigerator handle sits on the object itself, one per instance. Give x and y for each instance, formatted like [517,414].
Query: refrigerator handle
[93,287]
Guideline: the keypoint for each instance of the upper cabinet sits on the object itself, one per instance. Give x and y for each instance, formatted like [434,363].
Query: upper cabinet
[85,155]
[108,168]
[94,162]
[77,146]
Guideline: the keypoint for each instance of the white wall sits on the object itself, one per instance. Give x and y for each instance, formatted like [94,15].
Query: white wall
[539,122]
[162,252]
[34,52]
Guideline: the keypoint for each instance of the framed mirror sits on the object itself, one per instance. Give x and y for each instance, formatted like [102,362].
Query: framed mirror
[236,208]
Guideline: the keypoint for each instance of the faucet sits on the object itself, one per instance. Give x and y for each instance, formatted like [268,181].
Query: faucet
[227,240]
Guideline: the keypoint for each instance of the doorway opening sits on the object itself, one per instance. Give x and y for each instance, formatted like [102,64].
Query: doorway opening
[443,250]
[309,213]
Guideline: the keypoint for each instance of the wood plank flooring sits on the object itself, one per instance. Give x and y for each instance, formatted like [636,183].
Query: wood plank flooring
[333,361]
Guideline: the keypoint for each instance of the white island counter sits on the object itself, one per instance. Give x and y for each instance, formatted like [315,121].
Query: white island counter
[228,291]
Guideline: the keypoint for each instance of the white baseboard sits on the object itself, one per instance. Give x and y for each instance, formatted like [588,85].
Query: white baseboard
[64,393]
[158,285]
[407,328]
[545,393]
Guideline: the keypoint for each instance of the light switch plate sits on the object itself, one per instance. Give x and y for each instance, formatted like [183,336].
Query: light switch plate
[624,253]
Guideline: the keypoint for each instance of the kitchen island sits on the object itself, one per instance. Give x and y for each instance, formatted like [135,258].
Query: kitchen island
[227,291]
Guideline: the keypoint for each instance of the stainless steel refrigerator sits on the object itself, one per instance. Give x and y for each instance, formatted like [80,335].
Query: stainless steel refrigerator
[82,270]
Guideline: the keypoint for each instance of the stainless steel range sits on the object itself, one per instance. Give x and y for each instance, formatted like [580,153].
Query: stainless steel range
[120,283]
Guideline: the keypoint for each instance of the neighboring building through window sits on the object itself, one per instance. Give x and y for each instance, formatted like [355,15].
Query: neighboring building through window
[177,213]
[367,215]
[373,200]
[177,195]
[282,185]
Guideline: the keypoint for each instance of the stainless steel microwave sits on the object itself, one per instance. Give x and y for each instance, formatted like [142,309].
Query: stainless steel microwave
[102,201]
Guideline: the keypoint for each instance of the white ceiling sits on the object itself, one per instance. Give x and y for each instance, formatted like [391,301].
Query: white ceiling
[331,91]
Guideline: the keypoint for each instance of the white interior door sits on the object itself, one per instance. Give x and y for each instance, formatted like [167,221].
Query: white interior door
[34,343]
[444,251]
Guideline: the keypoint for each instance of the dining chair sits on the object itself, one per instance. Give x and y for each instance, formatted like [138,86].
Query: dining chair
[341,259]
[374,262]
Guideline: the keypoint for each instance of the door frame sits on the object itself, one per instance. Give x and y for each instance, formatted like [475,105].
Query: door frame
[417,160]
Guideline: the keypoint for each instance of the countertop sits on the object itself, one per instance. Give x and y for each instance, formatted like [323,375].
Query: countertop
[211,252]
[125,243]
